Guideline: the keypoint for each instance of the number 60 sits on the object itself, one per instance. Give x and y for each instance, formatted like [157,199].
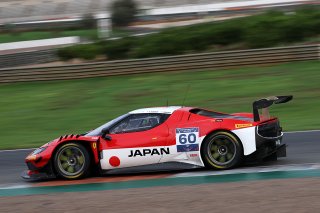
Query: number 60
[190,138]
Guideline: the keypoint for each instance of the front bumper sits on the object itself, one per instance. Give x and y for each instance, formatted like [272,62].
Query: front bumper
[36,175]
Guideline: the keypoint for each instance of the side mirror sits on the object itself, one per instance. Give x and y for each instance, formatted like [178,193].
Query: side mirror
[105,135]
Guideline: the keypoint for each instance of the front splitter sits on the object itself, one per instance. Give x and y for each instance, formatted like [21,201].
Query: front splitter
[32,176]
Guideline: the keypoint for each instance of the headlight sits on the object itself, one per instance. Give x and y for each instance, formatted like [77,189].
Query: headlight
[39,150]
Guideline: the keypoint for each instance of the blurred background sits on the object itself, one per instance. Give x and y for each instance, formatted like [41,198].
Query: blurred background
[67,66]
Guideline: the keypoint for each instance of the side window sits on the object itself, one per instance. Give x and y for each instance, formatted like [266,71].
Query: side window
[138,122]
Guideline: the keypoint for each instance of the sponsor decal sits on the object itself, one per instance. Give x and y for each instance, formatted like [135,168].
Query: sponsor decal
[242,125]
[150,152]
[94,145]
[193,155]
[188,148]
[187,139]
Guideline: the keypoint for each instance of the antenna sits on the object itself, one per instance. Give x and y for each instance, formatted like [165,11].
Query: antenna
[185,95]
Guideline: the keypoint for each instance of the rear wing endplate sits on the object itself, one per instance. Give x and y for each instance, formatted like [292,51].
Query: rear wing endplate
[266,102]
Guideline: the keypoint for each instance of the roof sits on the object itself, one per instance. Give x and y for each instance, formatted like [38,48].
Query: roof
[164,110]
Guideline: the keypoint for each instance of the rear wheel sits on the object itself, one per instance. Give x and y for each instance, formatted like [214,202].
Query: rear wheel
[222,150]
[72,161]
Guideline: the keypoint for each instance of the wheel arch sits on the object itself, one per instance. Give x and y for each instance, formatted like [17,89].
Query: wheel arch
[88,145]
[225,131]
[222,130]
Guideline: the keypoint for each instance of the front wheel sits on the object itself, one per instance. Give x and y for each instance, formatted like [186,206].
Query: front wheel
[72,161]
[222,150]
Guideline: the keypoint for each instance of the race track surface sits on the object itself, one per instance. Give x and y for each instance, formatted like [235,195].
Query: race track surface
[303,149]
[279,196]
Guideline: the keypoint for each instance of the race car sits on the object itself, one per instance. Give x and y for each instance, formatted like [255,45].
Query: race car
[161,135]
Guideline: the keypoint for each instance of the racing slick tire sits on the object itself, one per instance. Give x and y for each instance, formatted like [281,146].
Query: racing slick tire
[72,161]
[222,150]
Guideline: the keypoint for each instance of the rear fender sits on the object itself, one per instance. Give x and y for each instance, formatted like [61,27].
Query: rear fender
[246,136]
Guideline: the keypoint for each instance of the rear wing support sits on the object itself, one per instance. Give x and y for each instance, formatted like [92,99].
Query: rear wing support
[266,102]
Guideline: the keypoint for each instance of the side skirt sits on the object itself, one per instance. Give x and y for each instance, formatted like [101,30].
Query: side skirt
[168,166]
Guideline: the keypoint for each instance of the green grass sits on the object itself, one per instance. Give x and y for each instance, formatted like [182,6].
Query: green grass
[26,36]
[34,113]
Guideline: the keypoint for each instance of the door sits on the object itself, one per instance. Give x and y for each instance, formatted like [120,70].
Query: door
[137,140]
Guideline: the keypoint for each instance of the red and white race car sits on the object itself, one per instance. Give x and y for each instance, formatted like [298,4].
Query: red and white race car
[162,135]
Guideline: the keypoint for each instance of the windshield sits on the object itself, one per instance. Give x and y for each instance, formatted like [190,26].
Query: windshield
[97,131]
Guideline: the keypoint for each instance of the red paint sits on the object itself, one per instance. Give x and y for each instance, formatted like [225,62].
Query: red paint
[165,134]
[114,161]
[32,172]
[47,154]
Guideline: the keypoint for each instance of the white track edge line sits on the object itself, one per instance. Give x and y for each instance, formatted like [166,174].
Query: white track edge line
[303,131]
[252,170]
[14,150]
[245,170]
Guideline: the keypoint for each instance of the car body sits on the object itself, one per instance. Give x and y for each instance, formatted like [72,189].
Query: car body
[160,135]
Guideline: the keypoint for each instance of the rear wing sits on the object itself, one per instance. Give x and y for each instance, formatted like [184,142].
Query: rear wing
[265,103]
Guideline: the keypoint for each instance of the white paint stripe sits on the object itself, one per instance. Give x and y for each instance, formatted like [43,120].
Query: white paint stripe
[291,132]
[14,150]
[39,43]
[15,186]
[303,131]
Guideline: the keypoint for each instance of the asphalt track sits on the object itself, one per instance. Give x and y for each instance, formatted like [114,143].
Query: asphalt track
[302,152]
